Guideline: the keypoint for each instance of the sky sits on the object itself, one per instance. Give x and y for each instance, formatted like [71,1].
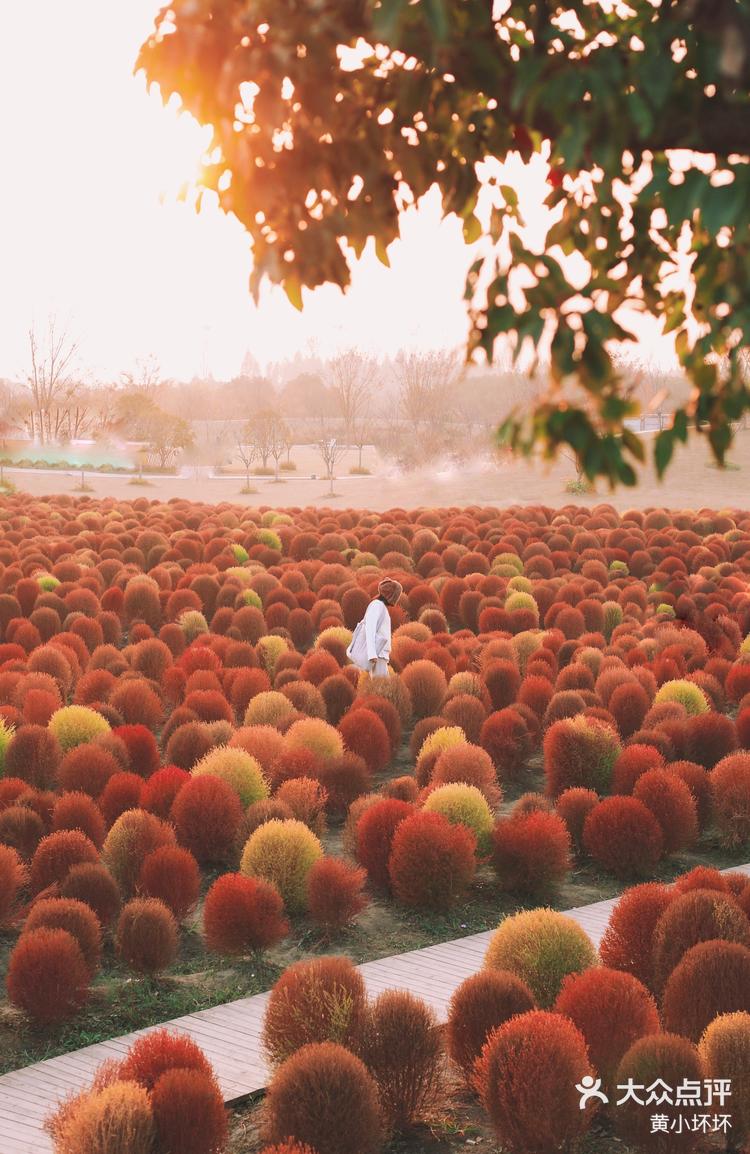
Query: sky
[91,229]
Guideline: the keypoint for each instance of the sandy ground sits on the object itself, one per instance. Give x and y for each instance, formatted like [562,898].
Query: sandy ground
[691,483]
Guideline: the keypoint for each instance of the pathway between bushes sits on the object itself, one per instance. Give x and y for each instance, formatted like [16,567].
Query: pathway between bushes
[230,1034]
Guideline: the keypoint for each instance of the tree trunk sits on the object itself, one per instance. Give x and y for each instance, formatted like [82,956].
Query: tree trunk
[360,456]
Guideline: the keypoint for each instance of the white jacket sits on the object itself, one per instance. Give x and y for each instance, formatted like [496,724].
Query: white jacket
[372,637]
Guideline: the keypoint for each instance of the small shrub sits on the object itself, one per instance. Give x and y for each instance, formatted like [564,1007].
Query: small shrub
[612,1010]
[673,806]
[78,811]
[574,806]
[87,769]
[121,793]
[305,799]
[685,693]
[541,947]
[114,1119]
[628,941]
[334,893]
[366,735]
[76,918]
[312,733]
[725,1052]
[403,1052]
[56,855]
[322,1000]
[471,765]
[579,751]
[531,852]
[207,815]
[243,915]
[432,862]
[189,1113]
[47,976]
[693,917]
[657,1056]
[283,852]
[76,725]
[534,1050]
[161,1050]
[323,1097]
[713,978]
[426,685]
[171,874]
[480,1004]
[131,839]
[238,769]
[92,883]
[730,790]
[463,804]
[375,831]
[624,837]
[632,763]
[159,792]
[13,876]
[147,937]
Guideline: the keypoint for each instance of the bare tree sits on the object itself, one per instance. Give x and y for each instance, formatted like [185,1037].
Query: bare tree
[351,377]
[50,376]
[361,433]
[331,449]
[427,386]
[268,436]
[245,451]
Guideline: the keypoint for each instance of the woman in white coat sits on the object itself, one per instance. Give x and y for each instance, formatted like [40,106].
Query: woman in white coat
[370,647]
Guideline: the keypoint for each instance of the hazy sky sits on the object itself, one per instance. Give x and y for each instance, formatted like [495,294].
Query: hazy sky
[91,230]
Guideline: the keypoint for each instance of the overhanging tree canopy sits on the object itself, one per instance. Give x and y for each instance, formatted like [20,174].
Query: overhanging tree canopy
[330,116]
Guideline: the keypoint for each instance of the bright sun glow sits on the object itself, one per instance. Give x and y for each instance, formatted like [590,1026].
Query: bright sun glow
[92,229]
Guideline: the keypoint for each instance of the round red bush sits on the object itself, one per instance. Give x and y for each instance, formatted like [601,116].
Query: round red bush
[334,893]
[171,874]
[56,854]
[87,768]
[207,815]
[159,792]
[365,735]
[505,736]
[730,790]
[189,1112]
[628,940]
[76,918]
[79,811]
[634,761]
[713,978]
[375,832]
[47,976]
[147,937]
[624,837]
[243,915]
[673,806]
[324,999]
[534,1050]
[324,1097]
[693,917]
[673,1060]
[93,884]
[612,1010]
[480,1004]
[432,862]
[574,806]
[13,877]
[161,1050]
[531,852]
[122,792]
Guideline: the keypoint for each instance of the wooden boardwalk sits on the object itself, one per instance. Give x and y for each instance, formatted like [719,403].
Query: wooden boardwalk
[230,1034]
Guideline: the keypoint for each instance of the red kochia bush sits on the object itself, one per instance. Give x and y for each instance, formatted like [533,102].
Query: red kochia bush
[671,1059]
[375,830]
[13,876]
[574,806]
[366,735]
[480,1004]
[147,937]
[695,916]
[78,811]
[711,736]
[34,755]
[427,685]
[321,1000]
[730,789]
[403,1051]
[628,940]
[324,1097]
[207,814]
[87,768]
[242,915]
[534,1050]
[612,1010]
[634,761]
[713,978]
[93,884]
[122,792]
[673,806]
[344,779]
[334,893]
[624,837]
[629,705]
[142,748]
[47,975]
[159,792]
[171,874]
[505,736]
[432,862]
[21,828]
[56,854]
[531,852]
[189,1112]
[697,780]
[159,1051]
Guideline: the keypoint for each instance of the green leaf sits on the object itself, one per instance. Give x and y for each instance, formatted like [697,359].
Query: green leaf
[663,450]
